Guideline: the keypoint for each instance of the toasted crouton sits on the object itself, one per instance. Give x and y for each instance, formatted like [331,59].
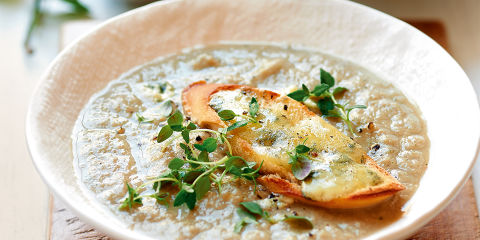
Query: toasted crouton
[343,175]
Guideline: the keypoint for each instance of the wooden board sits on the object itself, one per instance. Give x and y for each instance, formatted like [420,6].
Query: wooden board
[458,221]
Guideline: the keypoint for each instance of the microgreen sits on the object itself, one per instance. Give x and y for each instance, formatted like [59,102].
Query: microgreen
[141,119]
[245,218]
[253,207]
[300,95]
[161,198]
[250,211]
[175,121]
[325,99]
[166,108]
[164,133]
[298,222]
[253,107]
[176,163]
[202,186]
[132,199]
[238,124]
[183,196]
[300,162]
[228,115]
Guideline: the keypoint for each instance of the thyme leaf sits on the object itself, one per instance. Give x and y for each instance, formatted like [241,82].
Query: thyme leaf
[325,99]
[300,162]
[132,199]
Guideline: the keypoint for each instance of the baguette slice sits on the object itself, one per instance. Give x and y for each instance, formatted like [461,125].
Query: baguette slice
[343,175]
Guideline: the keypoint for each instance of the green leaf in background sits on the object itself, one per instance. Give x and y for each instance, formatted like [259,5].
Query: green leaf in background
[78,7]
[38,13]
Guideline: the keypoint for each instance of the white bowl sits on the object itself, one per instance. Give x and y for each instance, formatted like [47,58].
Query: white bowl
[385,45]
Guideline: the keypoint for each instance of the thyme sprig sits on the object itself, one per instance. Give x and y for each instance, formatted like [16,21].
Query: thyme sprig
[195,173]
[227,115]
[327,103]
[249,212]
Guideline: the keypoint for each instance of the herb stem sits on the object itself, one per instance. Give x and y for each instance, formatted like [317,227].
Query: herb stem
[201,163]
[222,161]
[170,141]
[154,181]
[219,135]
[195,155]
[249,118]
[227,143]
[343,116]
[205,130]
[37,15]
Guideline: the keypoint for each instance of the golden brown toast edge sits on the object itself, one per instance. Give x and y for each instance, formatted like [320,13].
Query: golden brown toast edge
[195,99]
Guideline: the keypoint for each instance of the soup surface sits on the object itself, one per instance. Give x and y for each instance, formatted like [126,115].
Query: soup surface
[112,145]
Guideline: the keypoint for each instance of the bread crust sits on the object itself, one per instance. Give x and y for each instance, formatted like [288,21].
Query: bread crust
[195,100]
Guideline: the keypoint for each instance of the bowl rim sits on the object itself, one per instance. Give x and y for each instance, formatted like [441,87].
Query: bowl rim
[402,232]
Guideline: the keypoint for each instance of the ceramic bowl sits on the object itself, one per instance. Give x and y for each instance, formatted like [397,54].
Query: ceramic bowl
[387,46]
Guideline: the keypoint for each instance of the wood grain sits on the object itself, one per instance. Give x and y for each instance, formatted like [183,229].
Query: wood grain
[458,221]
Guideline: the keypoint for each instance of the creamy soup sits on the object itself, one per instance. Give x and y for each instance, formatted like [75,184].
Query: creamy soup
[114,141]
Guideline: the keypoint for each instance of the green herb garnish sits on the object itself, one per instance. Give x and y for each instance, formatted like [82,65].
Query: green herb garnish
[133,198]
[300,162]
[250,211]
[326,102]
[228,115]
[141,119]
[195,174]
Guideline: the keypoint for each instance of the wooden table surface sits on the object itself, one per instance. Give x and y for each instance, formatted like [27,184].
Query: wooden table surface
[458,221]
